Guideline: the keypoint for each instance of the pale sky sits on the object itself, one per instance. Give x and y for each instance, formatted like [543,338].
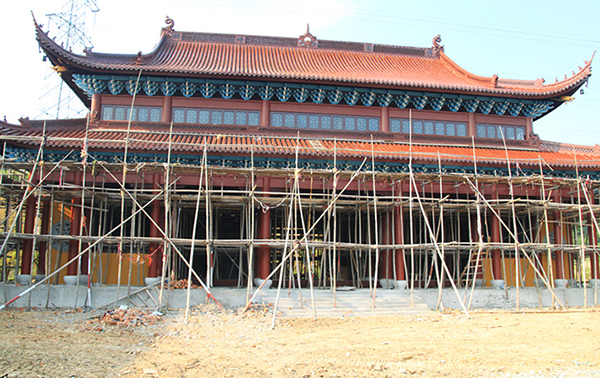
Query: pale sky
[513,39]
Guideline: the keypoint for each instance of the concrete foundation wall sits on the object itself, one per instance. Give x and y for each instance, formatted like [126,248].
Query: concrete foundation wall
[488,298]
[62,296]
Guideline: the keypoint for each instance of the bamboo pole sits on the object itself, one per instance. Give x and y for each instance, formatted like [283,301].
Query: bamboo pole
[547,227]
[333,261]
[308,260]
[124,179]
[167,204]
[305,236]
[511,234]
[582,250]
[28,192]
[514,217]
[440,275]
[437,248]
[410,201]
[168,239]
[2,307]
[196,215]
[375,221]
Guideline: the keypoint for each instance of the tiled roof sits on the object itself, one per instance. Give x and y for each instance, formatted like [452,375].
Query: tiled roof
[231,56]
[154,138]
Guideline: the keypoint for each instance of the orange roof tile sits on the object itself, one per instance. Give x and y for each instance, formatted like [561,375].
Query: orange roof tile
[223,55]
[154,138]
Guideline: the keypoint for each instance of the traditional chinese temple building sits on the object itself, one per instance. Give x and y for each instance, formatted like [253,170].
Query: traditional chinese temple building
[299,162]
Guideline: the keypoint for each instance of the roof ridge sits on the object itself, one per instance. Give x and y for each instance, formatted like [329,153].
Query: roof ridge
[324,44]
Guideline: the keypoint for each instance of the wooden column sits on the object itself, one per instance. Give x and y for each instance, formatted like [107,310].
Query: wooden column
[30,211]
[75,226]
[385,119]
[96,106]
[495,233]
[161,254]
[167,109]
[85,232]
[528,128]
[43,245]
[593,240]
[399,234]
[386,261]
[262,262]
[154,252]
[558,255]
[472,125]
[265,113]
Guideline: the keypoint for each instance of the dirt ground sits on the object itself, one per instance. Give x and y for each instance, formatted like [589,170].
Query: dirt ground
[223,344]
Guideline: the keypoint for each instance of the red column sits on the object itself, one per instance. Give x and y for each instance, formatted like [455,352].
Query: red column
[161,255]
[167,109]
[386,262]
[570,269]
[75,227]
[96,106]
[265,113]
[558,259]
[84,245]
[472,125]
[399,234]
[385,119]
[495,233]
[43,245]
[154,248]
[528,127]
[593,240]
[31,205]
[262,261]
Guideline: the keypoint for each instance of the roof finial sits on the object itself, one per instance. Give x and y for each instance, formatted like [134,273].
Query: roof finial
[307,39]
[436,44]
[168,30]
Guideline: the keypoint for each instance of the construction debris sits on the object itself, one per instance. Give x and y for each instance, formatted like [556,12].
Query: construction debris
[125,316]
[182,284]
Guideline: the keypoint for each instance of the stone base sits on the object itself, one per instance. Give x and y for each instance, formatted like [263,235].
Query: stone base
[39,277]
[401,285]
[479,282]
[24,279]
[387,283]
[560,283]
[539,283]
[498,284]
[595,283]
[70,280]
[259,281]
[151,280]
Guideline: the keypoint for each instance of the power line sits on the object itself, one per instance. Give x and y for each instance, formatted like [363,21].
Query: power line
[57,100]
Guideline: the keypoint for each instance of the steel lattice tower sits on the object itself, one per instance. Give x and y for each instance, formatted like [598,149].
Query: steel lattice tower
[70,31]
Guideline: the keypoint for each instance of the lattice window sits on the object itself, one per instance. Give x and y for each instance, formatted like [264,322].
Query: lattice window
[420,126]
[324,122]
[497,131]
[139,113]
[216,116]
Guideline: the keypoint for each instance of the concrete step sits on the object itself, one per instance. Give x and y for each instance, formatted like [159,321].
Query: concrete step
[348,303]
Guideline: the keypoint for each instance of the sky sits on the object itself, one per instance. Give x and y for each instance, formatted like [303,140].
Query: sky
[513,39]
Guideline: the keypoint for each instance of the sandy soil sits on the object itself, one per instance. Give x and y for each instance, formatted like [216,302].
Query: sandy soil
[218,344]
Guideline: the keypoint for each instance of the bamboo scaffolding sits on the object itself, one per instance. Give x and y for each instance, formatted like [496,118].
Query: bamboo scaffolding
[440,216]
[192,250]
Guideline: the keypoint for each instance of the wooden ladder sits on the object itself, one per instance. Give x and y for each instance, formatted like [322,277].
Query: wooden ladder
[474,265]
